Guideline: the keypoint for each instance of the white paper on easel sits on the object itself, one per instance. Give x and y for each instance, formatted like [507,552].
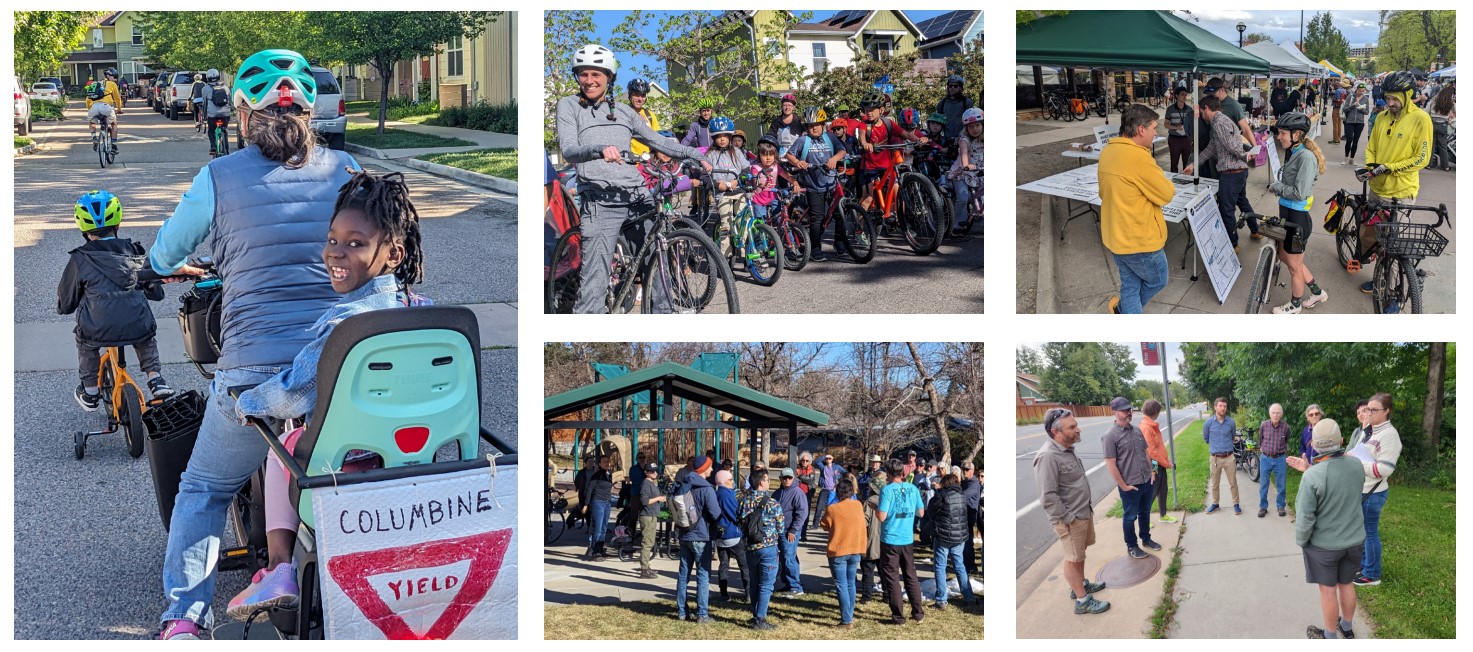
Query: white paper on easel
[1213,244]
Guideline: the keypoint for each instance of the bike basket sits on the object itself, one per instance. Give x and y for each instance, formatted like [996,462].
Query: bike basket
[1408,240]
[199,323]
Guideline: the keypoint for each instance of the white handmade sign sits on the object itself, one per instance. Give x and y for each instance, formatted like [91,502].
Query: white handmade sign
[421,558]
[1213,244]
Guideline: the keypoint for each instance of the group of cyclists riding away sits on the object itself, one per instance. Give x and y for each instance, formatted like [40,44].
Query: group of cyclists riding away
[762,207]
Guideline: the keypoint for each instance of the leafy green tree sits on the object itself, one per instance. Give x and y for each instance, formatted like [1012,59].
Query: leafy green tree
[381,38]
[44,38]
[1202,369]
[1024,17]
[1323,41]
[1030,361]
[1123,364]
[1257,37]
[566,31]
[1416,39]
[1079,372]
[198,40]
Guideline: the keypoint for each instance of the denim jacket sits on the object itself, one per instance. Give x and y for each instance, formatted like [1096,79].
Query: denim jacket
[293,392]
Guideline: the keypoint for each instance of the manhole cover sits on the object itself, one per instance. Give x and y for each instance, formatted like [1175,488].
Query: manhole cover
[1125,571]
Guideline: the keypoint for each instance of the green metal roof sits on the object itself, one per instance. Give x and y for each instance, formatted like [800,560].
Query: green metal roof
[688,384]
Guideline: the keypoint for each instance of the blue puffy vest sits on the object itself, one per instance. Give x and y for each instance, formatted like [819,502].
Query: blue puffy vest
[267,236]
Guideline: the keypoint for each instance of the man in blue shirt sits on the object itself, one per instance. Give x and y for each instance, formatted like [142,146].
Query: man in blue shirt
[1219,432]
[900,506]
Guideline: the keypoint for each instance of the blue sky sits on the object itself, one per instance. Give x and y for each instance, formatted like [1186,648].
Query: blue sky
[1142,372]
[605,21]
[1359,27]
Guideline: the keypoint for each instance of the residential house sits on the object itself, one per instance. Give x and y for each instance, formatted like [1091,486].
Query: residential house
[462,71]
[1030,390]
[949,33]
[116,41]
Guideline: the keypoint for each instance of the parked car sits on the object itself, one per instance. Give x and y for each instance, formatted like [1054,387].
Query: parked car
[55,81]
[22,110]
[329,112]
[157,90]
[45,91]
[177,95]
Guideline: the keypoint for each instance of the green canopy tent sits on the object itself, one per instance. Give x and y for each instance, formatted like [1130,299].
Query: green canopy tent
[1130,40]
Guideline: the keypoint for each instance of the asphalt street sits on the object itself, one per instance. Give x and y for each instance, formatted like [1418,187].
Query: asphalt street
[1035,534]
[89,543]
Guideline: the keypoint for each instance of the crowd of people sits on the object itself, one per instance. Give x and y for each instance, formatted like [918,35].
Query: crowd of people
[723,170]
[1133,189]
[1337,510]
[873,516]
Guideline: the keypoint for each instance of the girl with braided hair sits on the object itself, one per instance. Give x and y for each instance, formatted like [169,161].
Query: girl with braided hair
[373,257]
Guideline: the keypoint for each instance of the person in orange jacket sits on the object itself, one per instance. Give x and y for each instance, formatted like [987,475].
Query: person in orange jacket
[1156,450]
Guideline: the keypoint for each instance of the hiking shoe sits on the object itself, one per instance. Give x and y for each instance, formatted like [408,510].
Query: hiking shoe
[1311,300]
[269,588]
[763,626]
[89,402]
[1091,605]
[1282,513]
[1314,632]
[1151,544]
[1115,305]
[159,388]
[1262,512]
[181,630]
[1137,553]
[1362,580]
[1237,511]
[1089,587]
[1213,508]
[1168,519]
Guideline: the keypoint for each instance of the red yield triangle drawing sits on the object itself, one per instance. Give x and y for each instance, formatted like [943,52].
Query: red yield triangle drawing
[485,552]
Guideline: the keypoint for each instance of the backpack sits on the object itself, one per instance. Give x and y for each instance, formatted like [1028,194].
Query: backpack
[96,91]
[684,512]
[219,97]
[808,140]
[752,524]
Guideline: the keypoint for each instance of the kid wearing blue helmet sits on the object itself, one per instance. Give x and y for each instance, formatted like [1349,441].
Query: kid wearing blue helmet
[100,284]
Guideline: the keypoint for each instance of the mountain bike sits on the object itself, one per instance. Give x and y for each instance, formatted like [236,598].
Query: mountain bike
[930,160]
[858,234]
[796,247]
[1398,247]
[754,243]
[677,268]
[908,202]
[1245,452]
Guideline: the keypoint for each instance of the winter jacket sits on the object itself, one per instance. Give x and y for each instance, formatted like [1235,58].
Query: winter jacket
[1404,146]
[948,513]
[100,284]
[727,527]
[708,510]
[1354,111]
[795,508]
[1295,185]
[1132,191]
[872,526]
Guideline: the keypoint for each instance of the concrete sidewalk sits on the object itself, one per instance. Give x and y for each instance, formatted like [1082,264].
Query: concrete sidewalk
[1055,130]
[1243,576]
[482,139]
[51,346]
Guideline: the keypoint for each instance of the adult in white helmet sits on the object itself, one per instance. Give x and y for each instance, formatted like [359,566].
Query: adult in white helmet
[592,127]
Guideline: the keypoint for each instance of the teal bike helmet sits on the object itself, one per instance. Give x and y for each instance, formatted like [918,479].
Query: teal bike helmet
[98,209]
[274,78]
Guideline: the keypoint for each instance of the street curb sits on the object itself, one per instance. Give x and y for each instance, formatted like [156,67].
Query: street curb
[474,178]
[366,151]
[28,149]
[1046,296]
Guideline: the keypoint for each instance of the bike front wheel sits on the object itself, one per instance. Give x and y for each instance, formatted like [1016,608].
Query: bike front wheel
[1252,464]
[859,232]
[554,527]
[1258,291]
[763,253]
[924,218]
[1397,288]
[562,283]
[131,418]
[689,275]
[796,247]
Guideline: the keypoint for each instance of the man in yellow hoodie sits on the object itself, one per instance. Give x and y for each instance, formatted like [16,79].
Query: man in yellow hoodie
[1132,191]
[1400,144]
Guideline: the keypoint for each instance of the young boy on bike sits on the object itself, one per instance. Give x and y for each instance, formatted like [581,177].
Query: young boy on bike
[877,130]
[100,284]
[814,150]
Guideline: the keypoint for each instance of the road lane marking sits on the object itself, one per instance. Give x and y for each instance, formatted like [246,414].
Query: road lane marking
[1033,505]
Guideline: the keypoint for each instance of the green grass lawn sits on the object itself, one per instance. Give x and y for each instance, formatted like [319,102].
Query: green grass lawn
[1191,472]
[367,135]
[500,162]
[797,618]
[22,141]
[1416,595]
[360,106]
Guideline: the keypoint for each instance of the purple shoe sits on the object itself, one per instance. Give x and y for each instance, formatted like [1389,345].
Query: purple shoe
[181,630]
[269,588]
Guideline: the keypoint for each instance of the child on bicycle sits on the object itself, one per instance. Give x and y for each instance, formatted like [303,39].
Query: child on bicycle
[373,258]
[969,157]
[100,284]
[766,173]
[878,130]
[1295,189]
[726,158]
[814,150]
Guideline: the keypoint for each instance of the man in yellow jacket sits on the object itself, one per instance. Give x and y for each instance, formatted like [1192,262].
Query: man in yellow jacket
[104,100]
[1400,144]
[1132,191]
[639,91]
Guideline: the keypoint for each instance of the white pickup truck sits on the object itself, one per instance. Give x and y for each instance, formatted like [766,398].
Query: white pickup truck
[176,99]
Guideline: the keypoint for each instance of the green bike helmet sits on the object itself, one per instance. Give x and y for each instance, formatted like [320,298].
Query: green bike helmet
[274,78]
[98,209]
[938,118]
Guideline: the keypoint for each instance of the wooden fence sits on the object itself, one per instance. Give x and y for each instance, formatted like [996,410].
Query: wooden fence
[1034,413]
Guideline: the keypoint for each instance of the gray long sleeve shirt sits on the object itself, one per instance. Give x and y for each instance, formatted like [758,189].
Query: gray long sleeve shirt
[1063,490]
[584,131]
[1227,144]
[1355,110]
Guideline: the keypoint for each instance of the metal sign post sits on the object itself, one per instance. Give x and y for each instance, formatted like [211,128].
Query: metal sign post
[1170,429]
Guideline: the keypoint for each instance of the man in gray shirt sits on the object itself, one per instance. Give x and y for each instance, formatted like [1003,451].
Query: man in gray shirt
[1063,494]
[650,503]
[1130,466]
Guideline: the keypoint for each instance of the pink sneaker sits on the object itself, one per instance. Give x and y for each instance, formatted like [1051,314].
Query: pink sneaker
[181,630]
[269,588]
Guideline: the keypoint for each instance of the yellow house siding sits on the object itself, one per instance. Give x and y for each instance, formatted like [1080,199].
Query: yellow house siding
[888,21]
[490,69]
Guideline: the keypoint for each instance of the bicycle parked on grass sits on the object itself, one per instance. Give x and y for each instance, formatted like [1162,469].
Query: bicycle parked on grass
[681,265]
[1398,246]
[1245,452]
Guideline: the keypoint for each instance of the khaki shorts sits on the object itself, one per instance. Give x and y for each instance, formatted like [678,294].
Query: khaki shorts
[1076,537]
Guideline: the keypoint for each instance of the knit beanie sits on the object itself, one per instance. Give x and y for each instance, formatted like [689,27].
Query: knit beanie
[700,464]
[1326,438]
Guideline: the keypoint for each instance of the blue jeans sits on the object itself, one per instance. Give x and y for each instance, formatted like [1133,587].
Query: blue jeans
[1141,277]
[1137,506]
[962,207]
[1370,558]
[598,521]
[844,568]
[1276,468]
[698,554]
[225,456]
[763,562]
[789,572]
[954,554]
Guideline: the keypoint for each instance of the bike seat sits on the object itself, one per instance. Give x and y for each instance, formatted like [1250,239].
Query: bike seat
[400,383]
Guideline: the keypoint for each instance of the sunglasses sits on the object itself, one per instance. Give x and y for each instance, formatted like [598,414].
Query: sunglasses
[1315,414]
